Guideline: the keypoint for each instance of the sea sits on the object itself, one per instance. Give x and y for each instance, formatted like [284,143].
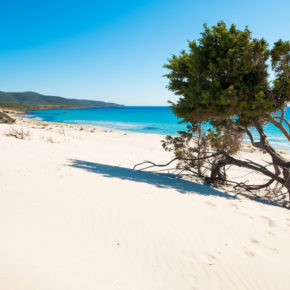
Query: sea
[158,120]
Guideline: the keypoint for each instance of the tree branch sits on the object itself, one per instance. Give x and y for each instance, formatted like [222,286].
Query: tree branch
[264,143]
[226,161]
[174,159]
[279,125]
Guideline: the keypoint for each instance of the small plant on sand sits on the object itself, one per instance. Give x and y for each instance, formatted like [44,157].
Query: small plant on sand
[223,80]
[61,131]
[50,140]
[18,133]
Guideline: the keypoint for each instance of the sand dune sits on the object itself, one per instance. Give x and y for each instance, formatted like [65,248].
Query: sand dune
[74,215]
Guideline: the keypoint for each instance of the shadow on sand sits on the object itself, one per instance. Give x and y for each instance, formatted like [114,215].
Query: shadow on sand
[160,180]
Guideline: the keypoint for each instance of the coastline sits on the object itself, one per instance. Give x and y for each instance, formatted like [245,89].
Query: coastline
[246,143]
[74,215]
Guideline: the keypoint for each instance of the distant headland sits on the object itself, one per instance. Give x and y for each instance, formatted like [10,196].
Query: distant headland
[33,100]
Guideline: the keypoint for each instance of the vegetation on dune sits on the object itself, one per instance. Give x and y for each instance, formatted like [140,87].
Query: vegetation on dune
[14,106]
[223,79]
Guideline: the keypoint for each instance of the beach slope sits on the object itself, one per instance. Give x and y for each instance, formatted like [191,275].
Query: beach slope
[75,216]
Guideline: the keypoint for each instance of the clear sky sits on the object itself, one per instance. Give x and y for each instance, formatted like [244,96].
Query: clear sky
[114,50]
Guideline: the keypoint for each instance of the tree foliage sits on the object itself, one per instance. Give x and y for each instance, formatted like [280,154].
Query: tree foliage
[225,74]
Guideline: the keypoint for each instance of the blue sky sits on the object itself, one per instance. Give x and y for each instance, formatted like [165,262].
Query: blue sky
[114,50]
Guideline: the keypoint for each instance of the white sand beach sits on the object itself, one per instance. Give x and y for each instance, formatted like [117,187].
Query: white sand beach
[75,216]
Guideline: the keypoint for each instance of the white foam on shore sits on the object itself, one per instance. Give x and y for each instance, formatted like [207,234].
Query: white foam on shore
[113,125]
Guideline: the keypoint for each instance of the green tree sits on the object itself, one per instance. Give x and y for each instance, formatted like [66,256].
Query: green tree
[223,79]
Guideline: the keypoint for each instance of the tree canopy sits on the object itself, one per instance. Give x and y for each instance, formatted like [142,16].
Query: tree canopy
[225,74]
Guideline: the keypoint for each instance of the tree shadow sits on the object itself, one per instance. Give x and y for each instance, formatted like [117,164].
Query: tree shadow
[160,180]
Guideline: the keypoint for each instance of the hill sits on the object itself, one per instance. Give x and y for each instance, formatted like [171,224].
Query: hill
[32,99]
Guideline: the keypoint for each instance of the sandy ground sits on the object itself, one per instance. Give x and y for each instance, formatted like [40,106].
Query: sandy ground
[75,216]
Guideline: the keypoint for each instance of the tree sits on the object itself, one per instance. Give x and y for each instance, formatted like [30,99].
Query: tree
[223,80]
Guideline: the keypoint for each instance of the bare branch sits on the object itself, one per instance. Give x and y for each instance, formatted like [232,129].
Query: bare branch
[280,126]
[174,159]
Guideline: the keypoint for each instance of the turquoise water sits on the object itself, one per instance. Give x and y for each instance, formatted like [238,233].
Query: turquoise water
[158,120]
